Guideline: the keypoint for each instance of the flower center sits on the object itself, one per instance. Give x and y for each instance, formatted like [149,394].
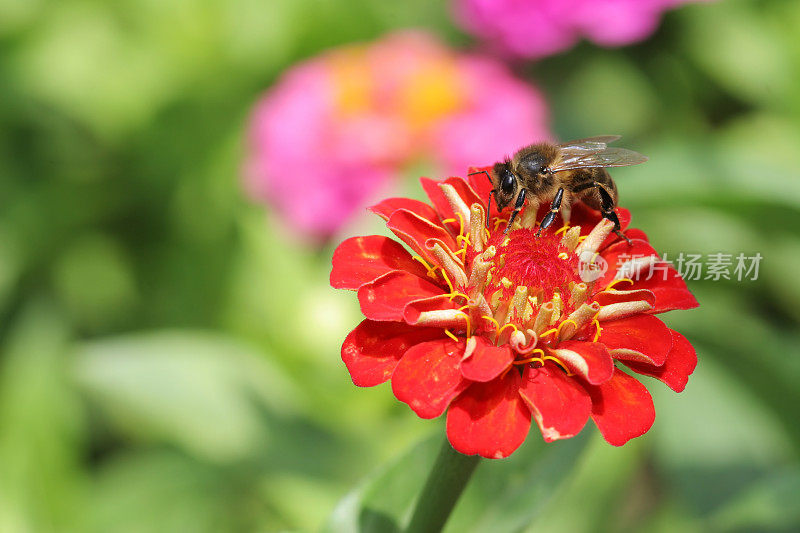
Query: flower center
[541,264]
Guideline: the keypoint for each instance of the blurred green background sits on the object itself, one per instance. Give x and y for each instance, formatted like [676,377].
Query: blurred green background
[169,352]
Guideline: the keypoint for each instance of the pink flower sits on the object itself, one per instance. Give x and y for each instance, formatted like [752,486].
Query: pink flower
[536,28]
[335,131]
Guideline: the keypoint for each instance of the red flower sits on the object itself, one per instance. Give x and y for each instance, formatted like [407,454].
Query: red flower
[501,329]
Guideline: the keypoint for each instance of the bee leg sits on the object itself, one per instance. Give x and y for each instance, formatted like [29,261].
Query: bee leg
[607,208]
[566,210]
[517,207]
[551,215]
[489,207]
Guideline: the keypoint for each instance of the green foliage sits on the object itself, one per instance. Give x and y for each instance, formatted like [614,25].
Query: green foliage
[169,352]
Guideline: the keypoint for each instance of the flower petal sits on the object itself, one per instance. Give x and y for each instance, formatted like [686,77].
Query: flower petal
[428,376]
[679,365]
[371,351]
[620,296]
[466,192]
[360,260]
[664,281]
[485,361]
[489,419]
[640,338]
[386,208]
[415,231]
[622,408]
[671,293]
[386,297]
[439,201]
[436,311]
[479,182]
[590,360]
[559,404]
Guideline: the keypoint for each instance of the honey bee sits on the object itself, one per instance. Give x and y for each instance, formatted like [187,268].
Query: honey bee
[561,174]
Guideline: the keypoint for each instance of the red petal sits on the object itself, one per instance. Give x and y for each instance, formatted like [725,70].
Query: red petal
[622,408]
[636,233]
[590,360]
[479,182]
[372,350]
[489,419]
[680,364]
[415,230]
[464,191]
[387,208]
[619,252]
[559,404]
[359,260]
[427,312]
[620,296]
[439,201]
[671,293]
[641,338]
[428,376]
[386,297]
[486,361]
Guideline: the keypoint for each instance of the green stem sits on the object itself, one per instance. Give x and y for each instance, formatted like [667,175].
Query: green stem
[448,478]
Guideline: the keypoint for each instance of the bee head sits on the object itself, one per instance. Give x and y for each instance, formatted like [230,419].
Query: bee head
[506,184]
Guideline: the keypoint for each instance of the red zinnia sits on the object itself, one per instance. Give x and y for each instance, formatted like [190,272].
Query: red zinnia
[498,329]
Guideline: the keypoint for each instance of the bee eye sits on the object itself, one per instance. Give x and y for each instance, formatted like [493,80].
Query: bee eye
[507,182]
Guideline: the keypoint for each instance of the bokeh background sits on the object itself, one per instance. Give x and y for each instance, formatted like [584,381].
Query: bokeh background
[169,347]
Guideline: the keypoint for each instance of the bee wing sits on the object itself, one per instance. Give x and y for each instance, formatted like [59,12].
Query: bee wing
[590,143]
[573,158]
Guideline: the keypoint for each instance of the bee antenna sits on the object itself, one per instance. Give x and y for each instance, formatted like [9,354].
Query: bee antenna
[481,172]
[489,206]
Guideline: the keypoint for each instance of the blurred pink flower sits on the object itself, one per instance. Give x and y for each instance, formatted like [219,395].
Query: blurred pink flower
[338,128]
[536,28]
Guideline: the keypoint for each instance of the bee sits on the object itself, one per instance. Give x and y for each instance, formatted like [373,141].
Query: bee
[561,174]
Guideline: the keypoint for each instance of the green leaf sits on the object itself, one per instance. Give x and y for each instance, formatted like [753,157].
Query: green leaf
[508,494]
[715,438]
[197,390]
[768,505]
[42,430]
[382,501]
[503,496]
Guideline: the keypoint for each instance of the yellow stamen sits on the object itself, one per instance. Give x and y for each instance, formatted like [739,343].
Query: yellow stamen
[448,220]
[460,224]
[431,270]
[596,323]
[610,286]
[499,331]
[456,293]
[582,238]
[498,221]
[447,332]
[563,229]
[488,234]
[558,330]
[452,290]
[469,323]
[532,359]
[563,255]
[548,332]
[559,363]
[493,321]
